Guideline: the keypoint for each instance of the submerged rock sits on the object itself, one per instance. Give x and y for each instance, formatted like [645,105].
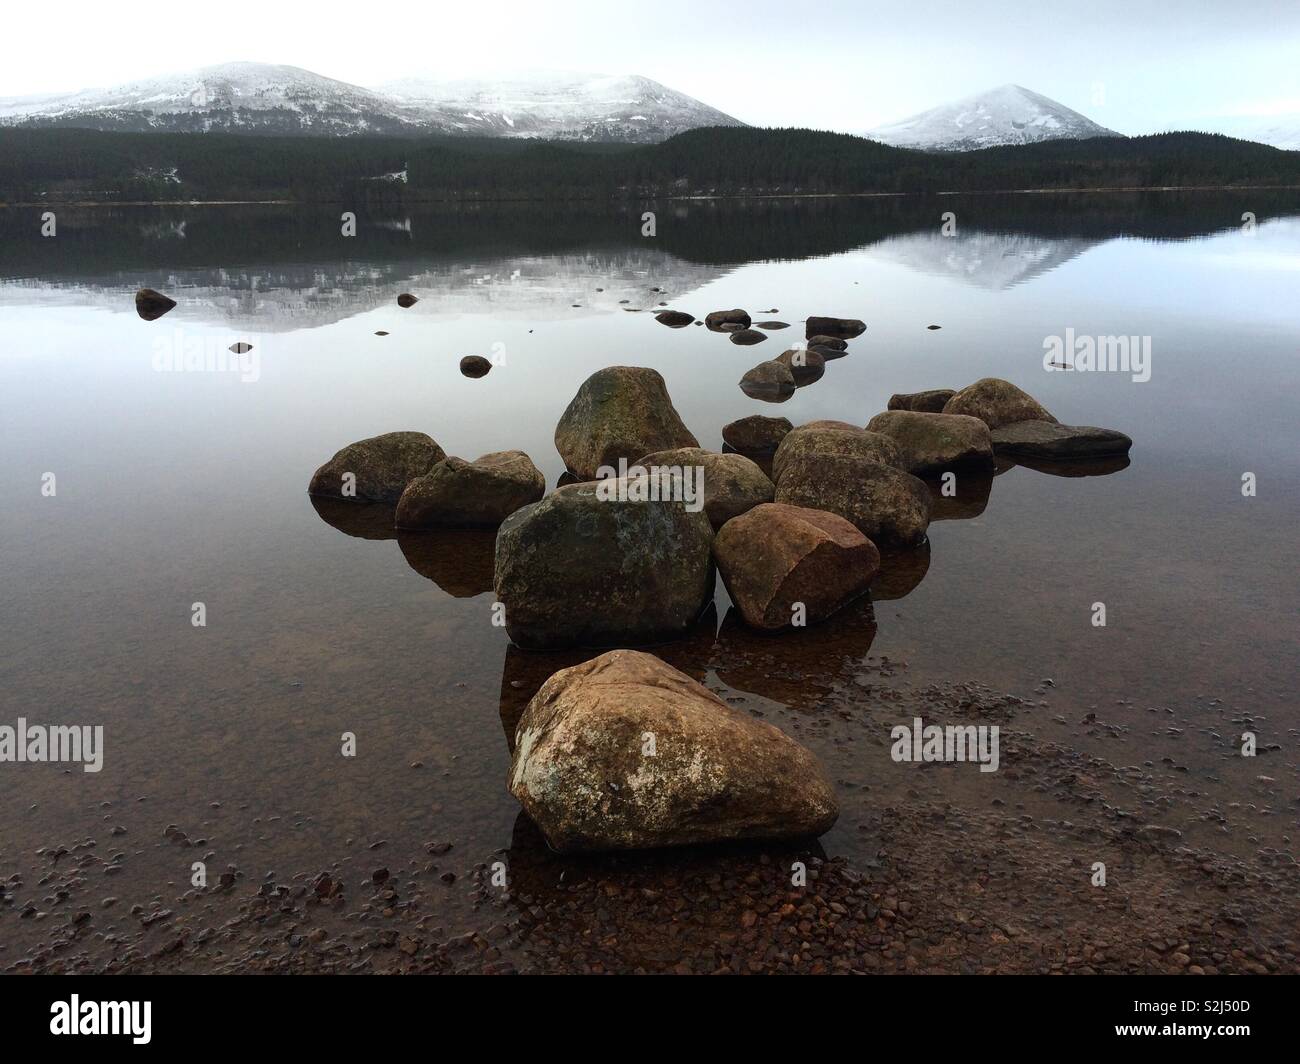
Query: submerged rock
[833,342]
[834,437]
[842,328]
[931,402]
[582,771]
[619,412]
[932,443]
[1054,441]
[152,305]
[772,325]
[475,366]
[996,402]
[674,319]
[748,337]
[590,565]
[806,365]
[407,300]
[477,494]
[381,467]
[720,318]
[732,483]
[770,381]
[756,434]
[778,558]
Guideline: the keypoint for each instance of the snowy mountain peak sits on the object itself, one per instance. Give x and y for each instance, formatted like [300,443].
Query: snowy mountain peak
[1009,114]
[269,98]
[560,105]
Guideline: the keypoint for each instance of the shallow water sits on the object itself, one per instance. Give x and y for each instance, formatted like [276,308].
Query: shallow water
[184,486]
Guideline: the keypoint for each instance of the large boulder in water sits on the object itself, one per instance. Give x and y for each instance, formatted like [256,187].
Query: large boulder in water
[1056,442]
[380,467]
[837,328]
[932,443]
[477,494]
[152,305]
[885,504]
[996,403]
[624,752]
[834,437]
[619,412]
[776,558]
[591,565]
[732,483]
[931,402]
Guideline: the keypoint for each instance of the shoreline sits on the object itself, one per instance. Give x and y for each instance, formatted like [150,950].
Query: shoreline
[24,204]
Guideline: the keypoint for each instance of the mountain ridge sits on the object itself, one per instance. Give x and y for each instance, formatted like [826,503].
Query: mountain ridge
[277,99]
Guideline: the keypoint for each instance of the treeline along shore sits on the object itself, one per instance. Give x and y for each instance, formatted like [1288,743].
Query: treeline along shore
[61,165]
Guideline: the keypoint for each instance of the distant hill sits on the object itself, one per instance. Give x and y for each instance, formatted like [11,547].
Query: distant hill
[1003,116]
[56,164]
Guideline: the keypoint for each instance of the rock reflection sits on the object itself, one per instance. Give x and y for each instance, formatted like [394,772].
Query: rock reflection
[793,666]
[971,496]
[901,571]
[363,520]
[459,562]
[1080,467]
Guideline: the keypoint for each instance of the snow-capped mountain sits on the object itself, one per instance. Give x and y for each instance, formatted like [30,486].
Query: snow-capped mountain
[263,98]
[1008,114]
[559,105]
[231,97]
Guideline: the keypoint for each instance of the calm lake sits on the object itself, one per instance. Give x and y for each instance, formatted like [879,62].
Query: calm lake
[179,482]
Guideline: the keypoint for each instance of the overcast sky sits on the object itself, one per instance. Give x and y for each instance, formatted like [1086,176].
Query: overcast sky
[841,64]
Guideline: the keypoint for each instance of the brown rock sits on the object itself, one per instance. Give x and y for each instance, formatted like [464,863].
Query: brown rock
[475,366]
[381,467]
[834,437]
[719,318]
[841,328]
[1054,441]
[776,556]
[478,494]
[885,504]
[582,771]
[732,483]
[747,337]
[996,402]
[152,305]
[770,381]
[756,434]
[674,319]
[931,402]
[931,443]
[806,365]
[407,300]
[619,412]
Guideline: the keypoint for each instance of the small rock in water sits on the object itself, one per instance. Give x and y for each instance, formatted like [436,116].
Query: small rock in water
[736,318]
[240,347]
[380,332]
[475,366]
[932,327]
[406,300]
[772,382]
[674,319]
[151,305]
[747,337]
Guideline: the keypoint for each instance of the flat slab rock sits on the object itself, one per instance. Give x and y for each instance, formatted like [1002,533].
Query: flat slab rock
[1049,439]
